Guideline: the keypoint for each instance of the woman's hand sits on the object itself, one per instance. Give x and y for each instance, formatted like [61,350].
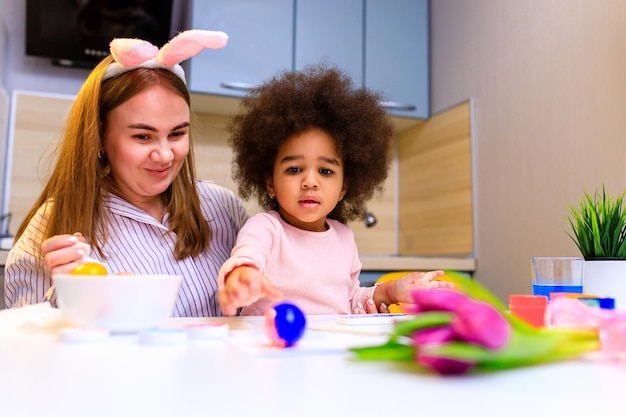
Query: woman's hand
[63,253]
[400,290]
[244,285]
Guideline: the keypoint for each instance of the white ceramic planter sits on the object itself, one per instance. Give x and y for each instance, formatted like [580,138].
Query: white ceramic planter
[606,278]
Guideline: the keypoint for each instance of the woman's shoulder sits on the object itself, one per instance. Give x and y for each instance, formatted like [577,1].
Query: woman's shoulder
[219,201]
[208,188]
[208,191]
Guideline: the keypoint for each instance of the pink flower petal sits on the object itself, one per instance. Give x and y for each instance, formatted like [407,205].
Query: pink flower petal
[437,299]
[480,323]
[433,335]
[477,321]
[613,333]
[573,313]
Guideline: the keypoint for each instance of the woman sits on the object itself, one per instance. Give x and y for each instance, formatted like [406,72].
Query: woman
[124,181]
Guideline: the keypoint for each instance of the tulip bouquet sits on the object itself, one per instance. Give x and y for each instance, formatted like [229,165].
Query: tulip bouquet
[467,329]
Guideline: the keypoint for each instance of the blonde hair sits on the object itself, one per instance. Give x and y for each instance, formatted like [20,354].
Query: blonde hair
[81,175]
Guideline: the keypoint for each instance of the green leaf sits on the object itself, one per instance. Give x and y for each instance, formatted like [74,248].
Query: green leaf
[411,324]
[598,225]
[391,350]
[474,289]
[521,350]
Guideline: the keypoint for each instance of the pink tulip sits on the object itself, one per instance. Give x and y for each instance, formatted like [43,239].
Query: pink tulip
[475,322]
[611,324]
[456,332]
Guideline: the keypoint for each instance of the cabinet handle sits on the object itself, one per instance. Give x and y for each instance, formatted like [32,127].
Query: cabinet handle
[236,85]
[394,105]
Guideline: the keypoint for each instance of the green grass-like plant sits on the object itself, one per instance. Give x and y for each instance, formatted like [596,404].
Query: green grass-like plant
[599,225]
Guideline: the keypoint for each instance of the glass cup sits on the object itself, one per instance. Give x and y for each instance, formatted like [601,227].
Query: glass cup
[557,274]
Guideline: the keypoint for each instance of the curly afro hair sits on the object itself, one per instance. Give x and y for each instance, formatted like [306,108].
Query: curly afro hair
[291,103]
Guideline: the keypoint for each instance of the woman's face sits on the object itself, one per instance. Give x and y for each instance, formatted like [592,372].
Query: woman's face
[146,143]
[307,179]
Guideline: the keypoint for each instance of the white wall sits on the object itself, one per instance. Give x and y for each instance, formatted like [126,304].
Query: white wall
[4,117]
[23,72]
[549,83]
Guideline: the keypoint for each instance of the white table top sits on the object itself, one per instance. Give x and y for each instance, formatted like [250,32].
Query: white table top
[243,375]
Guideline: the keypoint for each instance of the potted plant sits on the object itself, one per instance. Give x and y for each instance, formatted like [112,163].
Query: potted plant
[598,227]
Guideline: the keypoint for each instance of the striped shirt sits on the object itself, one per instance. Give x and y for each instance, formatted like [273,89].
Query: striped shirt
[139,244]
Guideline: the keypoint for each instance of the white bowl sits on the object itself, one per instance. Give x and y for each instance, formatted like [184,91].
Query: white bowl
[119,303]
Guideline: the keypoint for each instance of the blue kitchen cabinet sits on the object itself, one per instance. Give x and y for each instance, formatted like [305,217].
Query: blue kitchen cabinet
[260,44]
[330,31]
[397,54]
[381,44]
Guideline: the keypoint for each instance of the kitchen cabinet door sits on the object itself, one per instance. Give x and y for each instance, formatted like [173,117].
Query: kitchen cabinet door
[260,44]
[396,54]
[331,31]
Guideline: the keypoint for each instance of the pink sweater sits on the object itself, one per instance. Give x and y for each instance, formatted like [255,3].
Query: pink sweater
[317,271]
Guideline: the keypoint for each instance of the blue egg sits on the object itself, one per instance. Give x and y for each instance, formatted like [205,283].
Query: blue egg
[289,322]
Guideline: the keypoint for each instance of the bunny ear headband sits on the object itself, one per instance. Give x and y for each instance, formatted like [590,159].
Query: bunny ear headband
[130,54]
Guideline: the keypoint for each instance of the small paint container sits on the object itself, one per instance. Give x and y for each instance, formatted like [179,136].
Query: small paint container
[530,308]
[607,303]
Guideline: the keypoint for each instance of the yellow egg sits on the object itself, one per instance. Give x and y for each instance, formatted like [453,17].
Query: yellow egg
[90,268]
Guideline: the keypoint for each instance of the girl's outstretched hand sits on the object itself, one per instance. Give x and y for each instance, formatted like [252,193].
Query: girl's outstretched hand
[244,285]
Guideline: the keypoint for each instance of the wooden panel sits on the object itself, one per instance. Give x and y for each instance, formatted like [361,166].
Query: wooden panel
[213,155]
[416,263]
[435,182]
[38,121]
[380,239]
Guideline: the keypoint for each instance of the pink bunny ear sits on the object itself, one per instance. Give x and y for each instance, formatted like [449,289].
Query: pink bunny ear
[132,52]
[189,43]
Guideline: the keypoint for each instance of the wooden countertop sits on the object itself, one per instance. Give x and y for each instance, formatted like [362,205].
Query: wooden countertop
[416,263]
[389,263]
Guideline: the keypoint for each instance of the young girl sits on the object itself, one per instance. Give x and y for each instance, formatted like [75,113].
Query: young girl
[312,149]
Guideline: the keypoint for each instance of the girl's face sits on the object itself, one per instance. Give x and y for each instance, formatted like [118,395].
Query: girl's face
[146,143]
[308,179]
